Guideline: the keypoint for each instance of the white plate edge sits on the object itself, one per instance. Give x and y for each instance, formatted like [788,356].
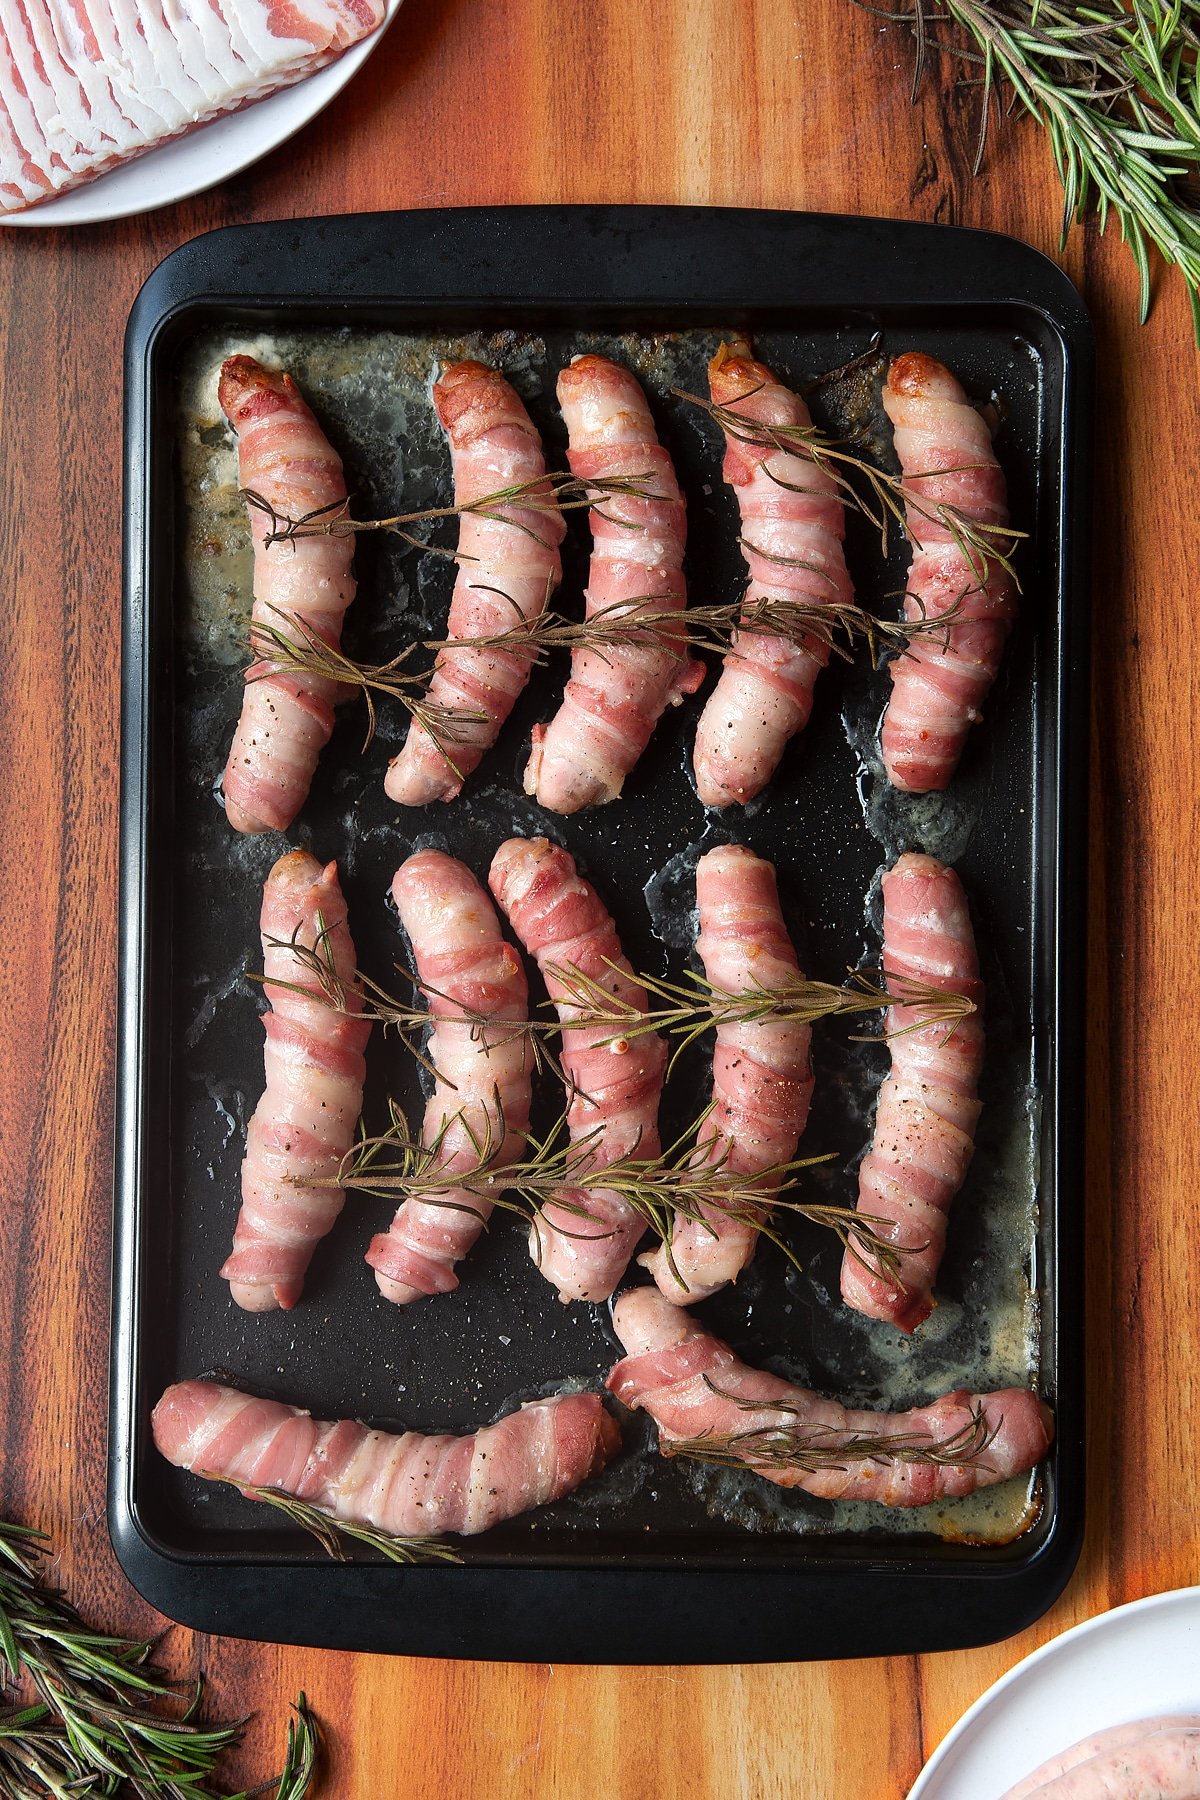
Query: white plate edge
[1028,1665]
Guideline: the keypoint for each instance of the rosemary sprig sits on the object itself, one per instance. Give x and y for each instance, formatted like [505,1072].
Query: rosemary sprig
[105,1720]
[686,1182]
[1114,85]
[641,622]
[696,1005]
[644,622]
[689,1008]
[307,653]
[556,492]
[332,1533]
[890,498]
[807,1448]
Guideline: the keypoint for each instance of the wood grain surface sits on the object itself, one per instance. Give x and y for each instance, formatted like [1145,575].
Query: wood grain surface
[760,103]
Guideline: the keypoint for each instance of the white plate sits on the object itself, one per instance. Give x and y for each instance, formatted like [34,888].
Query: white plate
[206,156]
[1133,1663]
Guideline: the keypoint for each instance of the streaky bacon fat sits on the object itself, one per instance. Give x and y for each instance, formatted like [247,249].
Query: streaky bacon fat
[482,1087]
[305,1121]
[762,1077]
[941,681]
[616,694]
[925,1121]
[694,1386]
[615,1086]
[407,1484]
[286,719]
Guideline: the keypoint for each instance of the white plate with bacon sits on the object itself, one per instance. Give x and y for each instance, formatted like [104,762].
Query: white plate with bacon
[1138,1662]
[198,157]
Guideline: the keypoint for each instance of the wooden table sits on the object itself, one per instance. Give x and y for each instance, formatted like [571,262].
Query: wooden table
[763,103]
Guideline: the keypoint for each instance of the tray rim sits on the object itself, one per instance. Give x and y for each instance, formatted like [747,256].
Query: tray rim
[221,1592]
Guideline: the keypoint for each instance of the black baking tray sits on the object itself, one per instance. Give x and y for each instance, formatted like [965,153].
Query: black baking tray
[660,1566]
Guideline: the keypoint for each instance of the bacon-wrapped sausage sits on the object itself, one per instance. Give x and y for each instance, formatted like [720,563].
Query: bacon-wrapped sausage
[762,1078]
[407,1485]
[617,693]
[941,681]
[483,1073]
[693,1386]
[284,456]
[304,1124]
[927,1112]
[615,1086]
[792,529]
[508,566]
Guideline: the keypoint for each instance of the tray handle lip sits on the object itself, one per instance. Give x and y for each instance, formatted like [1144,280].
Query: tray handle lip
[394,247]
[505,1614]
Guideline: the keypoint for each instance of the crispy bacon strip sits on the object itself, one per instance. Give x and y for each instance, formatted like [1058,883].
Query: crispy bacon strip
[615,1087]
[508,566]
[304,1124]
[286,719]
[762,1077]
[940,683]
[407,1484]
[483,1073]
[927,1112]
[617,694]
[792,529]
[694,1386]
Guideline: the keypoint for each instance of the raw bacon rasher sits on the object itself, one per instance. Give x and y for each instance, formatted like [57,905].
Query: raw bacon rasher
[508,567]
[304,1124]
[694,1386]
[406,1484]
[941,681]
[284,456]
[792,529]
[483,1073]
[762,1077]
[925,1121]
[88,84]
[616,694]
[615,1086]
